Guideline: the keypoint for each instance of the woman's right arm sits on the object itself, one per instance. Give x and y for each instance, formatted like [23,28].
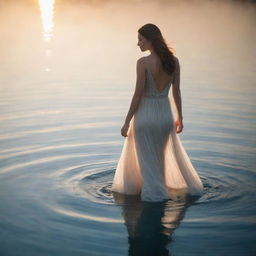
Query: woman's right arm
[176,89]
[177,97]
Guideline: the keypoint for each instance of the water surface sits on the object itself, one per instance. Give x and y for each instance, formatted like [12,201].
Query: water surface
[67,78]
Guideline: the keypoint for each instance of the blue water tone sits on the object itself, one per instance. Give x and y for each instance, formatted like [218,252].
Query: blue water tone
[67,78]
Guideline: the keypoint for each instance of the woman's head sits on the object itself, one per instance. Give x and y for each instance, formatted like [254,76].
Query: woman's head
[150,38]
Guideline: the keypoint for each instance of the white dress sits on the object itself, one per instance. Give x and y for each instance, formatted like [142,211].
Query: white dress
[153,161]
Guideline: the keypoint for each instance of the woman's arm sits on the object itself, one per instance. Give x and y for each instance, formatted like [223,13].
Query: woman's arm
[176,90]
[139,90]
[140,85]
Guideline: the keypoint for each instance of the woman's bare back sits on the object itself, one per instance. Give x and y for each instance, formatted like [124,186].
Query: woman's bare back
[160,77]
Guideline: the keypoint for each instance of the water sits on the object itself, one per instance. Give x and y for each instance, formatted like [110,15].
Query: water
[67,78]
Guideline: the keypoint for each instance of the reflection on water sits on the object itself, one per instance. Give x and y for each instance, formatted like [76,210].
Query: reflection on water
[63,99]
[47,18]
[47,9]
[150,225]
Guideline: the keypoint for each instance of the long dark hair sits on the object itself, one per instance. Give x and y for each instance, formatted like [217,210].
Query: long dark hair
[165,52]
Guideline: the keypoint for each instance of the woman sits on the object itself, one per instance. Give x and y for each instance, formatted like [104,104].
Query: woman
[153,162]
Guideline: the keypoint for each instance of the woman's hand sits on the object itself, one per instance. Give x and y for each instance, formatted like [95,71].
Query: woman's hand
[179,125]
[124,129]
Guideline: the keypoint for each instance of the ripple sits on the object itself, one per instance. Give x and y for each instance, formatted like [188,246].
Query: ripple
[19,134]
[85,216]
[227,189]
[226,219]
[19,151]
[36,162]
[93,181]
[95,185]
[25,115]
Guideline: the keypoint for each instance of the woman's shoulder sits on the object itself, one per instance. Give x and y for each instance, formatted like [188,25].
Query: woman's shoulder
[142,62]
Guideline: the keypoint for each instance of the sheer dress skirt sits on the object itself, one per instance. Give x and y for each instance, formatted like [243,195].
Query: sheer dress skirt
[153,161]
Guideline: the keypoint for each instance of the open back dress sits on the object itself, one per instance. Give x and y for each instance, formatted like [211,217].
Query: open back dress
[153,161]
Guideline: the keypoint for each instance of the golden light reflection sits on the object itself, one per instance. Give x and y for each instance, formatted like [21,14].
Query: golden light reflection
[47,11]
[85,216]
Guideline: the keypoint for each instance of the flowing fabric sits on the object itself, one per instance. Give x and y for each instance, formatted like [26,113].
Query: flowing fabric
[153,161]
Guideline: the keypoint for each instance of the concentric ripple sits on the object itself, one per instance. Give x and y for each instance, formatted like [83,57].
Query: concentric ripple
[61,115]
[58,172]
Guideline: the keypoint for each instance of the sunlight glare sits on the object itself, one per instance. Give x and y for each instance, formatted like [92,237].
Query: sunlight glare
[46,9]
